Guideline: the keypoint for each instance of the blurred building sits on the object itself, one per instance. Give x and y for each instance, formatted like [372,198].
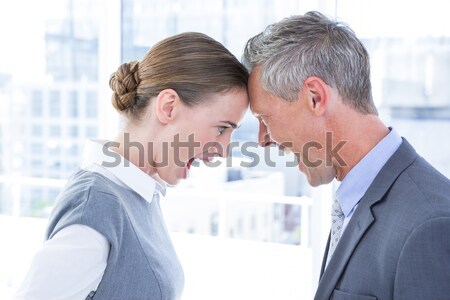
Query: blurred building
[48,120]
[411,87]
[45,120]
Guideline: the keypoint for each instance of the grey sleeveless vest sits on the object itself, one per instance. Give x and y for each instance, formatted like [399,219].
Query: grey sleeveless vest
[142,263]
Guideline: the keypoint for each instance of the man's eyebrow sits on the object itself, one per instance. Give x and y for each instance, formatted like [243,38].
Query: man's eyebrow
[258,116]
[232,125]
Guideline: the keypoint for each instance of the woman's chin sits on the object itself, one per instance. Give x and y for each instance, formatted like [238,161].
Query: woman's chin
[174,181]
[182,175]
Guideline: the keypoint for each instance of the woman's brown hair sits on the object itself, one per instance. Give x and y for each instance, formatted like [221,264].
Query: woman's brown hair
[192,64]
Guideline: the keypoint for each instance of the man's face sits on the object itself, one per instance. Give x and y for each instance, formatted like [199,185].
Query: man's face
[293,125]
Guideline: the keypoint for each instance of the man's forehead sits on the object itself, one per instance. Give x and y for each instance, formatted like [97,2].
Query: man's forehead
[255,76]
[254,99]
[255,89]
[261,102]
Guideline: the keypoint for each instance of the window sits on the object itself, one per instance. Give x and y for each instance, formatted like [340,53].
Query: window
[91,105]
[36,130]
[37,164]
[91,132]
[55,165]
[73,150]
[72,106]
[53,148]
[37,149]
[37,103]
[54,104]
[55,131]
[73,131]
[1,160]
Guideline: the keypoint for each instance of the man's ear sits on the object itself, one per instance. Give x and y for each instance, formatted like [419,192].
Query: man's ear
[317,95]
[166,105]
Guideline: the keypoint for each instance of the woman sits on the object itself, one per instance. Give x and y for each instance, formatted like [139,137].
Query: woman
[106,237]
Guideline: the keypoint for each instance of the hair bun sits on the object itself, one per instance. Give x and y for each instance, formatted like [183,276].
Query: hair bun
[124,83]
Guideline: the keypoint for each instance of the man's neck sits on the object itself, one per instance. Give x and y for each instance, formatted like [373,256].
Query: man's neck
[361,133]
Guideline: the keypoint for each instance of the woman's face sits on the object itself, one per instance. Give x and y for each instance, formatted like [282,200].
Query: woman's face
[202,132]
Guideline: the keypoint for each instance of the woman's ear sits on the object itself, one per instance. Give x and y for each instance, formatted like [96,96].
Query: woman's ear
[166,105]
[317,95]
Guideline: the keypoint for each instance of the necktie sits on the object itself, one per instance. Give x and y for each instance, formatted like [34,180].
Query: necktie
[337,221]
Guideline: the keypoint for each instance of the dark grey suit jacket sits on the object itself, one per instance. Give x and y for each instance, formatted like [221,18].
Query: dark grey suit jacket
[397,243]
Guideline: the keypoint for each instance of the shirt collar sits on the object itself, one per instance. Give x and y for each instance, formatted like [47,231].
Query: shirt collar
[97,153]
[361,176]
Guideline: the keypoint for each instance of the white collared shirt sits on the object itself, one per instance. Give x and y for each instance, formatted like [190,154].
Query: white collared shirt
[361,176]
[71,264]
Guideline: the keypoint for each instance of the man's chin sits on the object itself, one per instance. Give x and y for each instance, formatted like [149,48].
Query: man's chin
[316,179]
[301,167]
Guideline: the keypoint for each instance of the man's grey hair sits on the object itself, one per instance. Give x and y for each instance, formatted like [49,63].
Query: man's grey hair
[290,51]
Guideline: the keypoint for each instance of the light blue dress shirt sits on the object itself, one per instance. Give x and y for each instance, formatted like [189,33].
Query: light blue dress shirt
[355,184]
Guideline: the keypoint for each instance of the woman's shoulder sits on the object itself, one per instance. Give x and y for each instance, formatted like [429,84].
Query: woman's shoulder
[83,185]
[88,198]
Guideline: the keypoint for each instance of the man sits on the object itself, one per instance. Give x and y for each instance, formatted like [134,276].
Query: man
[310,90]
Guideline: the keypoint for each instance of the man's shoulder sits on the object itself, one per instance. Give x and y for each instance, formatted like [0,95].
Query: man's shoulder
[427,178]
[421,185]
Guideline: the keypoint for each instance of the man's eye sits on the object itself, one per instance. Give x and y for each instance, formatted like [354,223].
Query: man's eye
[262,120]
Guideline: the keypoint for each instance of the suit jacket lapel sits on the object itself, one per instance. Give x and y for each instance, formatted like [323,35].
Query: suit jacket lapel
[355,230]
[362,219]
[324,259]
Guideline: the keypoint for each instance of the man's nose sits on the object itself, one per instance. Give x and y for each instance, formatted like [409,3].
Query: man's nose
[264,139]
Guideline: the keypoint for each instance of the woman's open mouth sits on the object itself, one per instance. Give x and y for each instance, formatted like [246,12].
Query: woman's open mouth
[203,158]
[190,162]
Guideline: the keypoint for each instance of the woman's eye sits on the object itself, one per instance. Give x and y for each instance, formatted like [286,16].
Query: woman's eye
[222,129]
